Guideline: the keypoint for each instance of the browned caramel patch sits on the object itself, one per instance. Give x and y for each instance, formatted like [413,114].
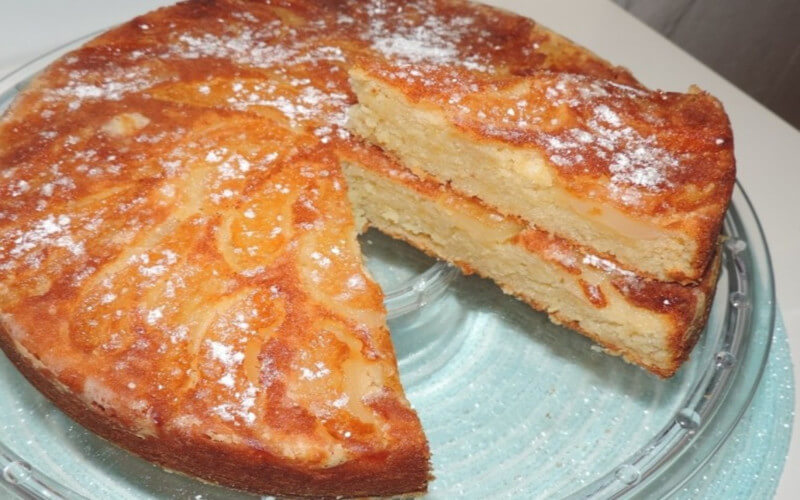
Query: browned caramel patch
[594,294]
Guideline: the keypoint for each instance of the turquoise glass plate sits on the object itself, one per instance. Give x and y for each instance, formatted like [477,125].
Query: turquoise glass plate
[513,406]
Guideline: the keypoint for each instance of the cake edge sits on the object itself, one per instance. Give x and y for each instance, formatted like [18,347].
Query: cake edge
[406,473]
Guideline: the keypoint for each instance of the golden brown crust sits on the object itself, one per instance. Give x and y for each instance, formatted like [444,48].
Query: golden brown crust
[126,343]
[597,133]
[243,468]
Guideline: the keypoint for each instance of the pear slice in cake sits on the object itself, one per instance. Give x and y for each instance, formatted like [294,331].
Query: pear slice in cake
[639,176]
[650,323]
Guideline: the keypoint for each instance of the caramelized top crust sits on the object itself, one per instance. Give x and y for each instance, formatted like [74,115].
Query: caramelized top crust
[175,242]
[211,286]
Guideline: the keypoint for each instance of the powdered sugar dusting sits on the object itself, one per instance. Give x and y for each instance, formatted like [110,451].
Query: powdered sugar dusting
[245,47]
[595,294]
[564,257]
[112,86]
[319,371]
[309,104]
[269,46]
[341,401]
[241,409]
[635,162]
[52,231]
[607,266]
[435,41]
[274,46]
[225,354]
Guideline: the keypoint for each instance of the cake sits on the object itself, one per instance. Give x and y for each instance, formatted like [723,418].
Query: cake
[640,176]
[179,205]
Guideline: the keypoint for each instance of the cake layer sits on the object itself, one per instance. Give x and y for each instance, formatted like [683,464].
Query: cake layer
[650,323]
[643,177]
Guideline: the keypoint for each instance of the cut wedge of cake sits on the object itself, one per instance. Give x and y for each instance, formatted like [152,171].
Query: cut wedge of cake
[650,323]
[179,269]
[639,176]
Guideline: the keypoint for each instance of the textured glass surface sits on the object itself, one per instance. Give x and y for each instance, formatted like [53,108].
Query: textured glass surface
[513,405]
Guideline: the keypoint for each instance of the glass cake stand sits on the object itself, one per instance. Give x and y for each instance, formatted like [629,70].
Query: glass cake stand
[513,405]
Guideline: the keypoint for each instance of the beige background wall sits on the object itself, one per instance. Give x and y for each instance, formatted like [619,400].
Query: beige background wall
[753,43]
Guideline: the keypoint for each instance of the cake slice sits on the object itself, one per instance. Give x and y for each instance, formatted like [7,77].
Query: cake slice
[650,323]
[639,176]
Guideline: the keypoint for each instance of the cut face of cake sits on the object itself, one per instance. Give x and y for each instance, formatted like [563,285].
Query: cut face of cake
[638,176]
[650,323]
[179,269]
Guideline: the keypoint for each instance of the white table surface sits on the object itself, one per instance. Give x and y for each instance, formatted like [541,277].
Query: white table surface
[767,149]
